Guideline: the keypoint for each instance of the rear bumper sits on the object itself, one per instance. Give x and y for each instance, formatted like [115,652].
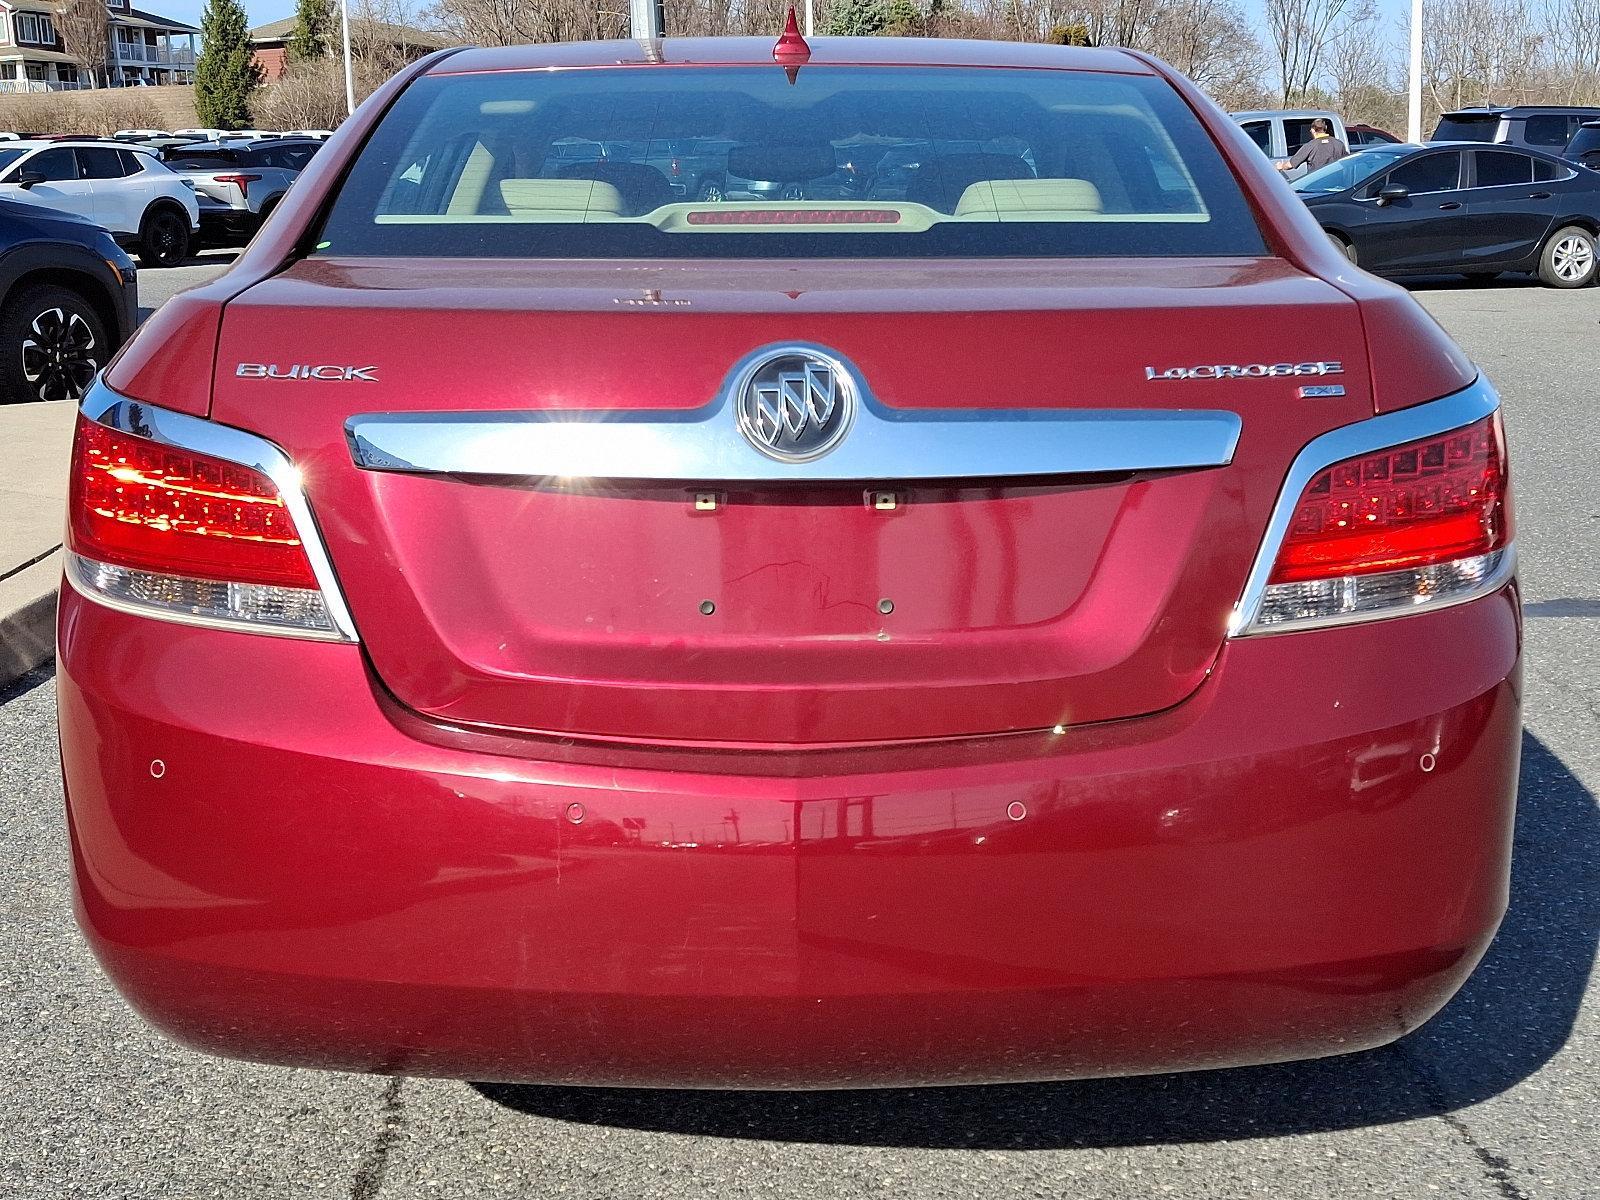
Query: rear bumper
[221,222]
[1265,872]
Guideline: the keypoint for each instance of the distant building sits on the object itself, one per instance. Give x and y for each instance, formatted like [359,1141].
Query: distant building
[271,42]
[142,48]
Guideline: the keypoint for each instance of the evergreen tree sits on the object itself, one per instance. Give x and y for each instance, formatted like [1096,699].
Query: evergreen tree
[857,18]
[1075,34]
[313,31]
[227,73]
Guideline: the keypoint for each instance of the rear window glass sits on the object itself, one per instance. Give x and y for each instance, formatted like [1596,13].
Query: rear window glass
[1260,133]
[202,160]
[738,162]
[1297,133]
[1500,168]
[1466,129]
[1548,129]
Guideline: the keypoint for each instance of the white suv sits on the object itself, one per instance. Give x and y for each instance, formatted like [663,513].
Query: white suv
[124,188]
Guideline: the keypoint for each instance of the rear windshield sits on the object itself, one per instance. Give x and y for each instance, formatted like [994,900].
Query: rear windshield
[731,162]
[1585,140]
[1466,129]
[202,160]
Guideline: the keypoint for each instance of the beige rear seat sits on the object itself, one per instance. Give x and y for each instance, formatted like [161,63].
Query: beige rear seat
[1033,197]
[563,198]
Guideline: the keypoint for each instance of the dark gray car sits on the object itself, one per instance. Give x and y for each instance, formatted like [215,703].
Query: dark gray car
[1547,127]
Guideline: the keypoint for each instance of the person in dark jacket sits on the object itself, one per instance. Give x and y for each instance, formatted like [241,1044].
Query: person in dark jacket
[1322,149]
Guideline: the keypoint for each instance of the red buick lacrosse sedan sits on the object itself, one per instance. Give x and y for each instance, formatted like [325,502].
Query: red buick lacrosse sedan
[882,562]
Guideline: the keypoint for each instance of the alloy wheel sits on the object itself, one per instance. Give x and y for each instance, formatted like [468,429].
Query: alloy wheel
[58,355]
[1573,258]
[167,238]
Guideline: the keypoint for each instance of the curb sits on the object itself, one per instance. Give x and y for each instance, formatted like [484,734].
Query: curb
[28,618]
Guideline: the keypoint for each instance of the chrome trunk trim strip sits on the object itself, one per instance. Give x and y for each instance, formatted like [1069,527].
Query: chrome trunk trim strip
[704,445]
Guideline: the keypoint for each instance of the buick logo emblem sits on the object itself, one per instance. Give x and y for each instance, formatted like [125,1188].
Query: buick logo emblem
[794,405]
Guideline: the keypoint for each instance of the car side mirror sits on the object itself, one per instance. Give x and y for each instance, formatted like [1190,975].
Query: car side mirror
[1393,193]
[28,178]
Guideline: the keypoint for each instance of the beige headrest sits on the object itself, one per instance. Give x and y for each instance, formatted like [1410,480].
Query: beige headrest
[563,197]
[997,196]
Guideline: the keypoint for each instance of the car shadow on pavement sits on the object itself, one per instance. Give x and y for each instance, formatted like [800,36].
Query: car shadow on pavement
[1512,1016]
[1459,283]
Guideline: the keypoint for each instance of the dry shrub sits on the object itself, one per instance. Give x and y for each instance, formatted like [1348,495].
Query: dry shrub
[86,113]
[311,94]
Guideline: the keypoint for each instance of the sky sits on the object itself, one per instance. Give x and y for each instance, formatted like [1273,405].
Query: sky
[261,11]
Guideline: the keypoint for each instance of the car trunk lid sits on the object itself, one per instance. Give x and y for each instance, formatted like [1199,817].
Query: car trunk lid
[831,606]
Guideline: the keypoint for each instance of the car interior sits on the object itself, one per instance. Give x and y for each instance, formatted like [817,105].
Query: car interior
[1020,161]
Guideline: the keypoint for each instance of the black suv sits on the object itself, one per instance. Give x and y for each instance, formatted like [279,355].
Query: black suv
[1584,148]
[1547,127]
[68,300]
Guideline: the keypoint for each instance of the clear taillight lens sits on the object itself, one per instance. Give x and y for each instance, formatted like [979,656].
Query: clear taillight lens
[1387,532]
[180,534]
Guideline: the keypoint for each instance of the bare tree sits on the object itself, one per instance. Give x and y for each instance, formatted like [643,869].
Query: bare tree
[1362,69]
[1357,56]
[1211,42]
[1301,31]
[82,26]
[1480,51]
[512,22]
[1573,48]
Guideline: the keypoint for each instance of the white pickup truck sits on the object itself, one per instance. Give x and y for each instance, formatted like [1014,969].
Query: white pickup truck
[1280,132]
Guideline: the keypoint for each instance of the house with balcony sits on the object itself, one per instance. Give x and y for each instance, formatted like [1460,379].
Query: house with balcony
[144,48]
[141,48]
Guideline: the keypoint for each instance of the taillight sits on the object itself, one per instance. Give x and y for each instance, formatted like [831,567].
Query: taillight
[1426,522]
[175,532]
[795,216]
[242,182]
[676,168]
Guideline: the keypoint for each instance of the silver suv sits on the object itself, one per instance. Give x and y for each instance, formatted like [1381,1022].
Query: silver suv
[238,183]
[1547,127]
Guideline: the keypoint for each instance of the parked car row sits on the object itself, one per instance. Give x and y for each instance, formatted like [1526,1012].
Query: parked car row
[1564,130]
[126,189]
[221,135]
[661,171]
[1511,189]
[1480,211]
[158,194]
[69,210]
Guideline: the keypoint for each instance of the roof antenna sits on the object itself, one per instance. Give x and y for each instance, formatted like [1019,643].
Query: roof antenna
[791,50]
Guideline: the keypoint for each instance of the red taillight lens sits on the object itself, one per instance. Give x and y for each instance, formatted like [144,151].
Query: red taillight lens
[139,504]
[1415,505]
[242,182]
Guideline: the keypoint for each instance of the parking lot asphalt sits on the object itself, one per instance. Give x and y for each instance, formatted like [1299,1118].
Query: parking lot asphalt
[1494,1098]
